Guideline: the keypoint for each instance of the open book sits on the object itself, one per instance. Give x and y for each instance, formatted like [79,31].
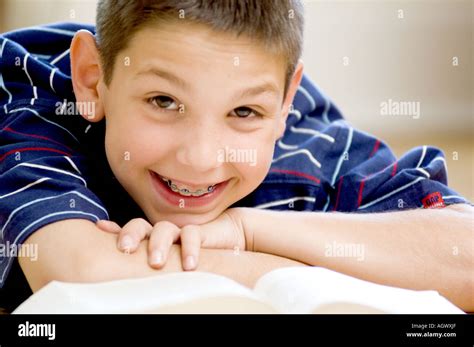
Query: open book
[286,290]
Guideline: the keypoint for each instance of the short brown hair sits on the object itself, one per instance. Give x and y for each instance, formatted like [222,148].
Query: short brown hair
[277,24]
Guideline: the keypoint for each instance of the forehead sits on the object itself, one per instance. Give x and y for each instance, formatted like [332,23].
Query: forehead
[192,49]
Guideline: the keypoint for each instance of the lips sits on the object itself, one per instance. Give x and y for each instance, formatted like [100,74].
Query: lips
[165,192]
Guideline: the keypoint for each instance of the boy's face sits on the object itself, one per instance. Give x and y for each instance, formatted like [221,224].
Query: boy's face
[197,108]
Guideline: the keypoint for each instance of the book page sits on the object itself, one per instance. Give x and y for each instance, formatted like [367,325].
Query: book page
[186,292]
[319,290]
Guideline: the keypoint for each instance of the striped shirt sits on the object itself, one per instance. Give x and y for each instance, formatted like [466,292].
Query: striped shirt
[53,164]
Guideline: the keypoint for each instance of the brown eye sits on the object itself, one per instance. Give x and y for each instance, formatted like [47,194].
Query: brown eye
[163,101]
[243,112]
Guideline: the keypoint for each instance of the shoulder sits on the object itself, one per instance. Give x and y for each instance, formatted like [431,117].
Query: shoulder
[34,63]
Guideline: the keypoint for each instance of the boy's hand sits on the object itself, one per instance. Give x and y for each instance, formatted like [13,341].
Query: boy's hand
[224,232]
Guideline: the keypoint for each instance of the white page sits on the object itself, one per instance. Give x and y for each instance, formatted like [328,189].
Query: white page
[301,289]
[143,295]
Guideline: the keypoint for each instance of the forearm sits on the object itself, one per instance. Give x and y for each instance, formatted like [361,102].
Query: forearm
[245,267]
[76,251]
[418,249]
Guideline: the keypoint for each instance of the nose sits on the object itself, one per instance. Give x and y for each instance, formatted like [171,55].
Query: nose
[199,147]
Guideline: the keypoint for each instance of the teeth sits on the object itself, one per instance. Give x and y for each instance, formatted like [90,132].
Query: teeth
[187,192]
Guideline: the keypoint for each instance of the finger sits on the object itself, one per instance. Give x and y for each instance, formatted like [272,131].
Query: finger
[190,246]
[132,234]
[109,226]
[162,236]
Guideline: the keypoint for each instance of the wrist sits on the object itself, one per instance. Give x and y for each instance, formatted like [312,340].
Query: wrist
[249,218]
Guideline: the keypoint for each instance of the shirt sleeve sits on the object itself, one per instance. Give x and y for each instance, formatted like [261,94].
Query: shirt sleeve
[367,177]
[43,174]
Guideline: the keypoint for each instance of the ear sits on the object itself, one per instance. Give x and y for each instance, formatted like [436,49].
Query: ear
[290,94]
[86,74]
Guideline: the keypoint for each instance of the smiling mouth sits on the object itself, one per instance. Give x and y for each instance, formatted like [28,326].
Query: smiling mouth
[187,192]
[186,199]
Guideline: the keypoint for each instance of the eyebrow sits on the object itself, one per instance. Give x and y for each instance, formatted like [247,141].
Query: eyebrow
[166,76]
[265,88]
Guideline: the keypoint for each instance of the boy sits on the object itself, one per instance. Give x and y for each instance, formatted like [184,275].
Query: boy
[205,113]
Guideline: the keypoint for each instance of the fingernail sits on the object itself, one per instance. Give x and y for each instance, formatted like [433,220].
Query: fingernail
[156,257]
[189,263]
[126,243]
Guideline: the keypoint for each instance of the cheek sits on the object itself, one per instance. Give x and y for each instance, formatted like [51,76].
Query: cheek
[133,146]
[254,170]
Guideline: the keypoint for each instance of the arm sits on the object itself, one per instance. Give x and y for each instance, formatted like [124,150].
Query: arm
[77,251]
[417,249]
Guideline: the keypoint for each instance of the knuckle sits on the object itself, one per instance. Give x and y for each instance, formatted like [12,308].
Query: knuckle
[139,222]
[189,229]
[190,233]
[165,224]
[165,228]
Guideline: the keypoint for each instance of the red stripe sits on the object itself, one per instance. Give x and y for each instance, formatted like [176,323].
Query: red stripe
[338,192]
[297,173]
[362,183]
[361,189]
[33,149]
[35,136]
[394,171]
[376,147]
